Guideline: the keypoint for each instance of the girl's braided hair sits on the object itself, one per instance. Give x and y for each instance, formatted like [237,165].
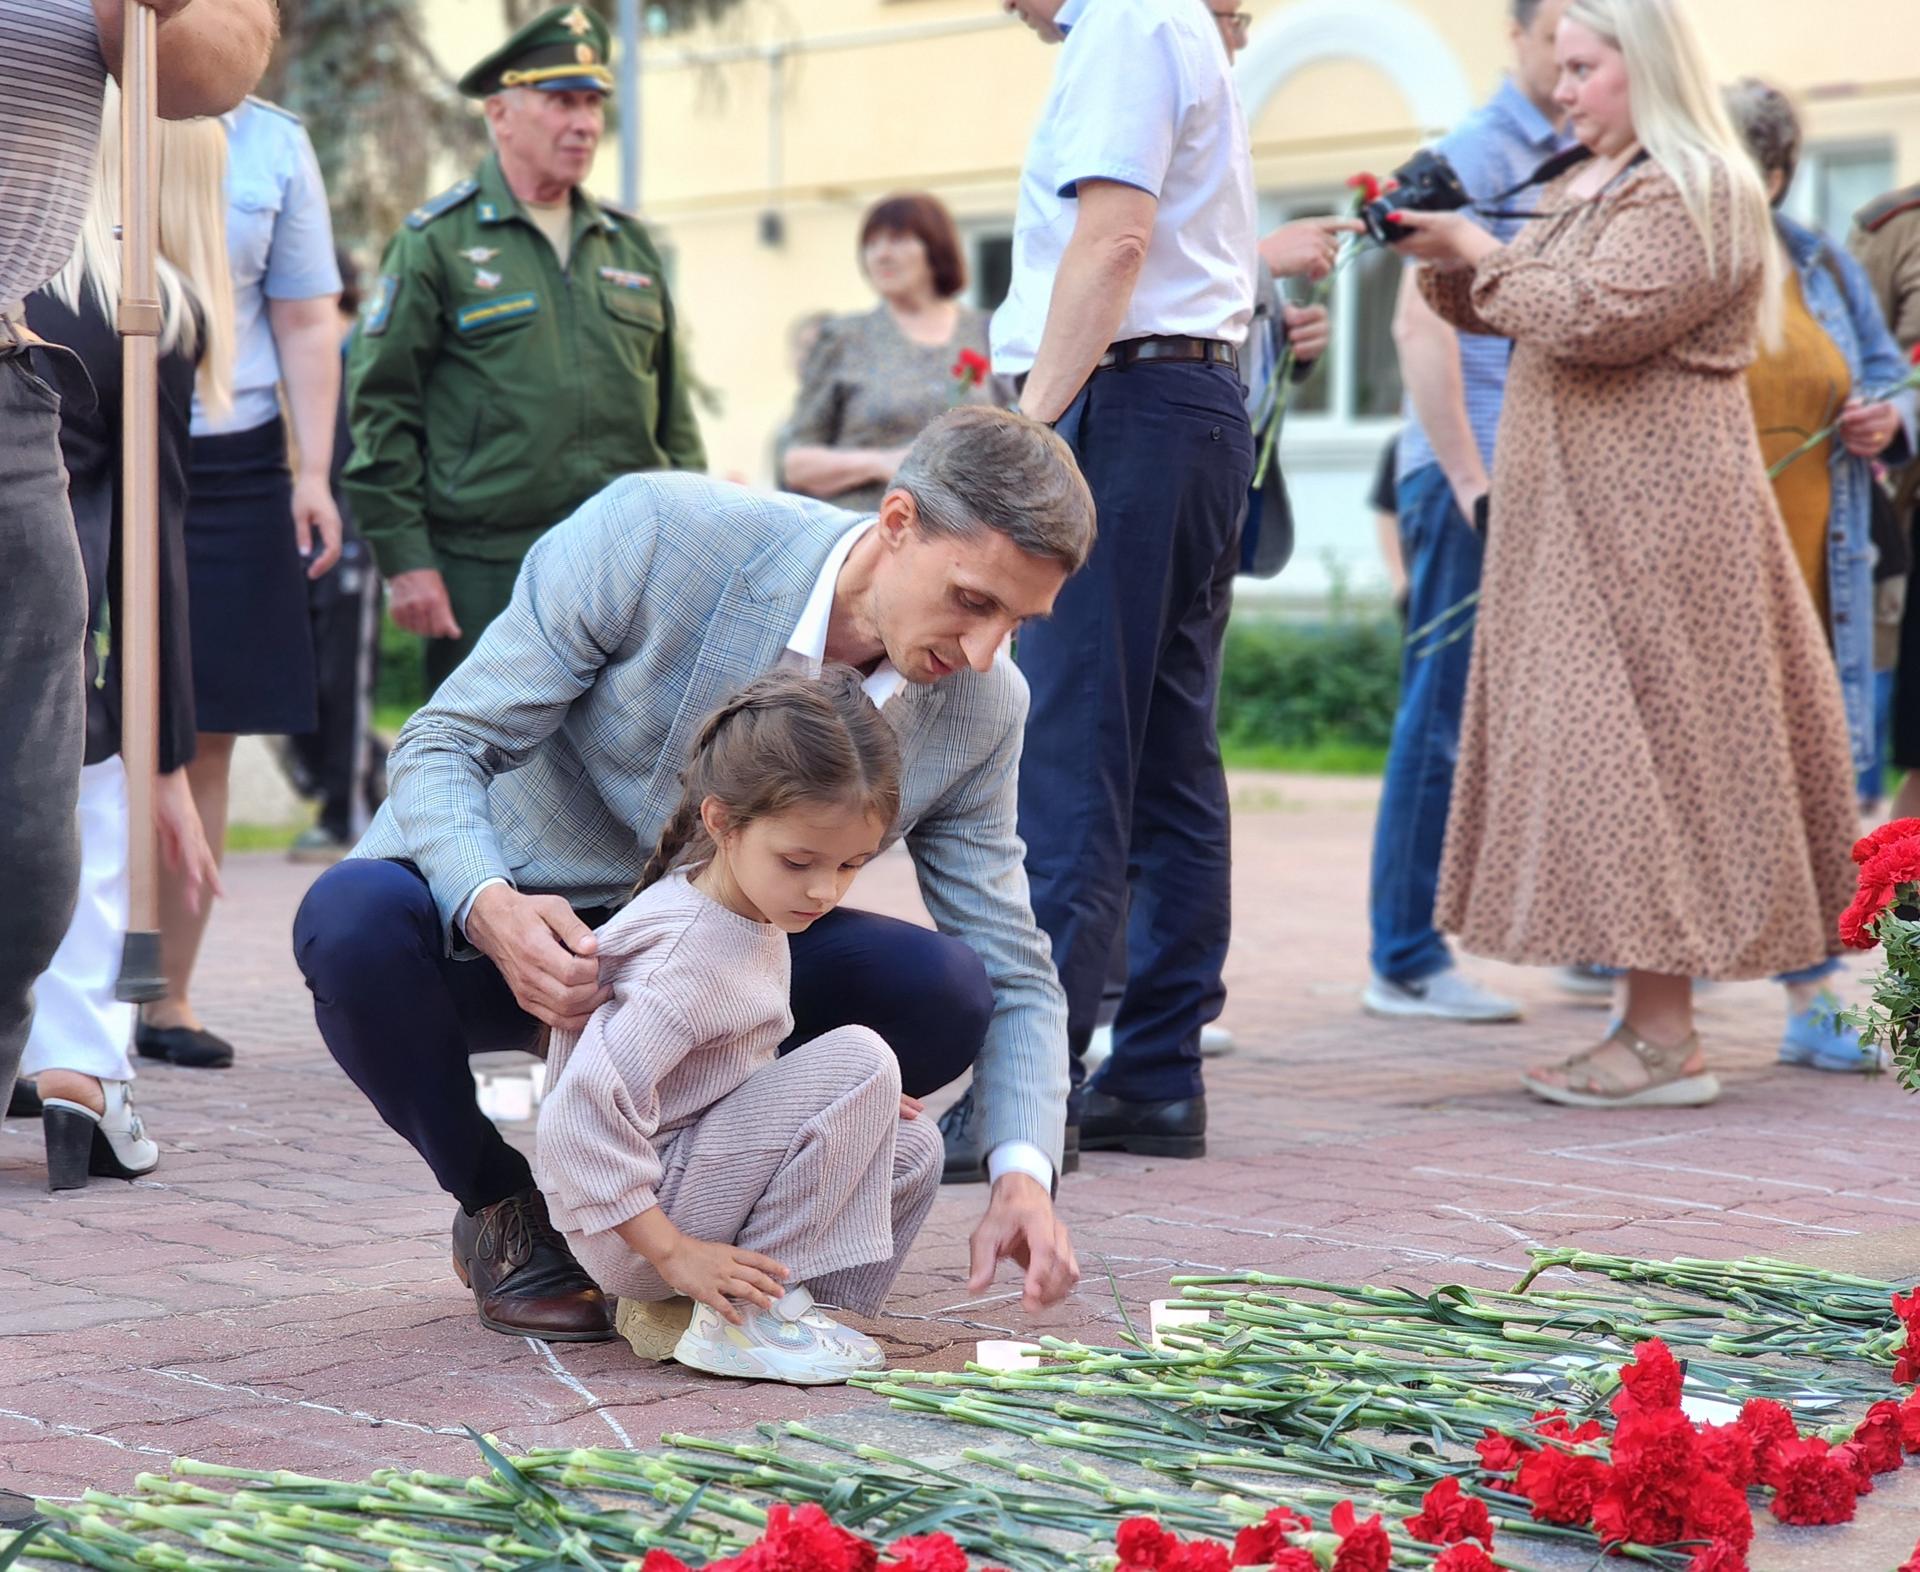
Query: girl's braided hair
[784,740]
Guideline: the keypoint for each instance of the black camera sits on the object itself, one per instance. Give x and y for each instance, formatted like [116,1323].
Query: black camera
[1426,183]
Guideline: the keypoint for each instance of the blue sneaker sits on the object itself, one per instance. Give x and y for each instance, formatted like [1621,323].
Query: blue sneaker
[1817,1038]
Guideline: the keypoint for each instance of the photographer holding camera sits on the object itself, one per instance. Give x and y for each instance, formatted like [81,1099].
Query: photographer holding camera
[1454,388]
[1654,770]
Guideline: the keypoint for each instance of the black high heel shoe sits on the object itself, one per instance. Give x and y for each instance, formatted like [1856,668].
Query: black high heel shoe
[82,1143]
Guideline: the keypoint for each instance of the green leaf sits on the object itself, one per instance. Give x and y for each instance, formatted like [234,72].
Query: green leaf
[17,1547]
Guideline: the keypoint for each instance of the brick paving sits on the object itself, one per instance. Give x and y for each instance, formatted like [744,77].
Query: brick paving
[279,1292]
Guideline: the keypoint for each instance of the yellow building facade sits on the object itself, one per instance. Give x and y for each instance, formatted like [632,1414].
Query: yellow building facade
[765,138]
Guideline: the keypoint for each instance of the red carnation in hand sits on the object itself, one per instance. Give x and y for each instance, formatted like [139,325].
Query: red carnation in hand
[662,1561]
[1446,1517]
[972,367]
[1465,1558]
[1876,841]
[930,1553]
[1364,1547]
[1263,1544]
[1369,188]
[1650,1383]
[1562,1486]
[1814,1487]
[1728,1451]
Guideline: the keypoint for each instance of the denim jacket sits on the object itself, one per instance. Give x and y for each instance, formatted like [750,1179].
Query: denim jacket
[1842,302]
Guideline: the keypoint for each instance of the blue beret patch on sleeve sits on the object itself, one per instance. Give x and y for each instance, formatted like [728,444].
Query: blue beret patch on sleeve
[380,308]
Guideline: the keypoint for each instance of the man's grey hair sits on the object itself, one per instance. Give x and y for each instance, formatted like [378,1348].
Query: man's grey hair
[1770,125]
[1524,11]
[978,466]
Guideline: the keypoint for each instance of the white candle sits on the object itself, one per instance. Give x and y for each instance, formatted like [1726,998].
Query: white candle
[1162,1316]
[1002,1355]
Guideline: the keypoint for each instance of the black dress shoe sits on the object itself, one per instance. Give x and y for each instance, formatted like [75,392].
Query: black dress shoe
[25,1101]
[190,1047]
[966,1163]
[1171,1129]
[525,1280]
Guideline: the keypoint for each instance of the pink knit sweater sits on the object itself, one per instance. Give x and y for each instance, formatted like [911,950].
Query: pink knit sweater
[699,1003]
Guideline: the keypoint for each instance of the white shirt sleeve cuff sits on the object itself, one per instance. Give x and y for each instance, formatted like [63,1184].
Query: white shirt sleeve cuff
[466,907]
[1020,1157]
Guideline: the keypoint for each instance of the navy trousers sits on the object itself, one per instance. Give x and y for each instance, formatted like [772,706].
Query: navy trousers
[401,1016]
[1121,786]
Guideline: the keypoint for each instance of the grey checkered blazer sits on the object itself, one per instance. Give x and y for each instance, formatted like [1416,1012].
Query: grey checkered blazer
[552,756]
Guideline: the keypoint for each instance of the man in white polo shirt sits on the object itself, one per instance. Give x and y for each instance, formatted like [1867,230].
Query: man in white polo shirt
[1132,290]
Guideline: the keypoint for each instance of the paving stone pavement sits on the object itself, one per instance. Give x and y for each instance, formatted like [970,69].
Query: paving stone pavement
[279,1292]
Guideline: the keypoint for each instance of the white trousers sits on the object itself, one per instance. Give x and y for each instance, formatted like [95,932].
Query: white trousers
[77,1023]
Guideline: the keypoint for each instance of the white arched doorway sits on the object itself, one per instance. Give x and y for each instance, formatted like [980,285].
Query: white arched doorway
[1392,37]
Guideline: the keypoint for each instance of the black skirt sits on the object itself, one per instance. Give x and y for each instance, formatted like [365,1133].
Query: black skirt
[253,668]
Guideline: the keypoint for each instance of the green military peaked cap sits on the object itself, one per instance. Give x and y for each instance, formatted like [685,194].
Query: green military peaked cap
[565,49]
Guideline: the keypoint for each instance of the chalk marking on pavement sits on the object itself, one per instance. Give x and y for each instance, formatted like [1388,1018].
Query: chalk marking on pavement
[193,1378]
[84,1435]
[1574,1154]
[573,1383]
[1637,1195]
[1488,1222]
[1411,1252]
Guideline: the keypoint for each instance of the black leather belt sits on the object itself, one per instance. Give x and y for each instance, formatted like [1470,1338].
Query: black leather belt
[1168,347]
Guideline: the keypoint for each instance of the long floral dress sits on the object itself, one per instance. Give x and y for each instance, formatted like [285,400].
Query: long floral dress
[1654,770]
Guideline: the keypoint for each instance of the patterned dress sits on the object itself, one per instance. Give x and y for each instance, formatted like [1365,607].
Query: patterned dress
[867,385]
[1653,769]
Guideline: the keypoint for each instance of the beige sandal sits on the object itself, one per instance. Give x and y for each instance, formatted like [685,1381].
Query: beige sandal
[1593,1085]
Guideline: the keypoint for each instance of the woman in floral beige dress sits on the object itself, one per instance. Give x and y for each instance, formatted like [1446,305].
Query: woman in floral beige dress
[1654,769]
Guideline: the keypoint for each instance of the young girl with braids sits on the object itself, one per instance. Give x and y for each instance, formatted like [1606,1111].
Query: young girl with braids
[699,1178]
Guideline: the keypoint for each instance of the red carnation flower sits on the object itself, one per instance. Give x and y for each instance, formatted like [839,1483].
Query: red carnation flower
[1769,1426]
[1888,834]
[930,1553]
[1651,1382]
[1554,1427]
[1910,1422]
[1855,1458]
[1364,1547]
[1643,1511]
[1915,356]
[1142,1542]
[1465,1558]
[1814,1487]
[1878,1438]
[662,1561]
[1446,1517]
[1912,1563]
[1263,1544]
[1728,1451]
[1200,1555]
[1501,1454]
[972,367]
[1367,185]
[1718,1557]
[1562,1486]
[1717,1510]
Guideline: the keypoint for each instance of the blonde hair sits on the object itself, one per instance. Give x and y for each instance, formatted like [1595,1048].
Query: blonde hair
[192,262]
[1680,118]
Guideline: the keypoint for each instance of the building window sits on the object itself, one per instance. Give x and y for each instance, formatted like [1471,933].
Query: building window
[1836,181]
[1359,380]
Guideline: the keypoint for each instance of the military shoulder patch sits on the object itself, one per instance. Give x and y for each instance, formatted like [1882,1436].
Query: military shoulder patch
[445,202]
[1876,215]
[626,278]
[470,319]
[379,310]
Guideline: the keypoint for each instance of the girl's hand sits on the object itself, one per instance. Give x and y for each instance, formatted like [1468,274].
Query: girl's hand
[1866,429]
[911,1107]
[717,1274]
[1447,240]
[183,839]
[1306,248]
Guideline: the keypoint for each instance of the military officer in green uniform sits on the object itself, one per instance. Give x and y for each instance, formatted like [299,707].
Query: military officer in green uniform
[518,353]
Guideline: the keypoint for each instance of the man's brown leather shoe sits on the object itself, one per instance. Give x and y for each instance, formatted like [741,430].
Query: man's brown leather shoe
[525,1280]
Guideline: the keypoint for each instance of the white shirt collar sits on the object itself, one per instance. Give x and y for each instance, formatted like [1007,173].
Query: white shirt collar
[809,640]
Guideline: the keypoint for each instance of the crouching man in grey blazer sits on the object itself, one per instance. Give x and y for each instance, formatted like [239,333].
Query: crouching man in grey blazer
[527,794]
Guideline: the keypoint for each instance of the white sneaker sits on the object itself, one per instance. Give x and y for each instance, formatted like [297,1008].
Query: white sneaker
[1445,996]
[798,1305]
[770,1345]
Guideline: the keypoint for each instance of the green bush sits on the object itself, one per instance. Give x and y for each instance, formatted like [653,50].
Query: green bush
[403,674]
[1310,695]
